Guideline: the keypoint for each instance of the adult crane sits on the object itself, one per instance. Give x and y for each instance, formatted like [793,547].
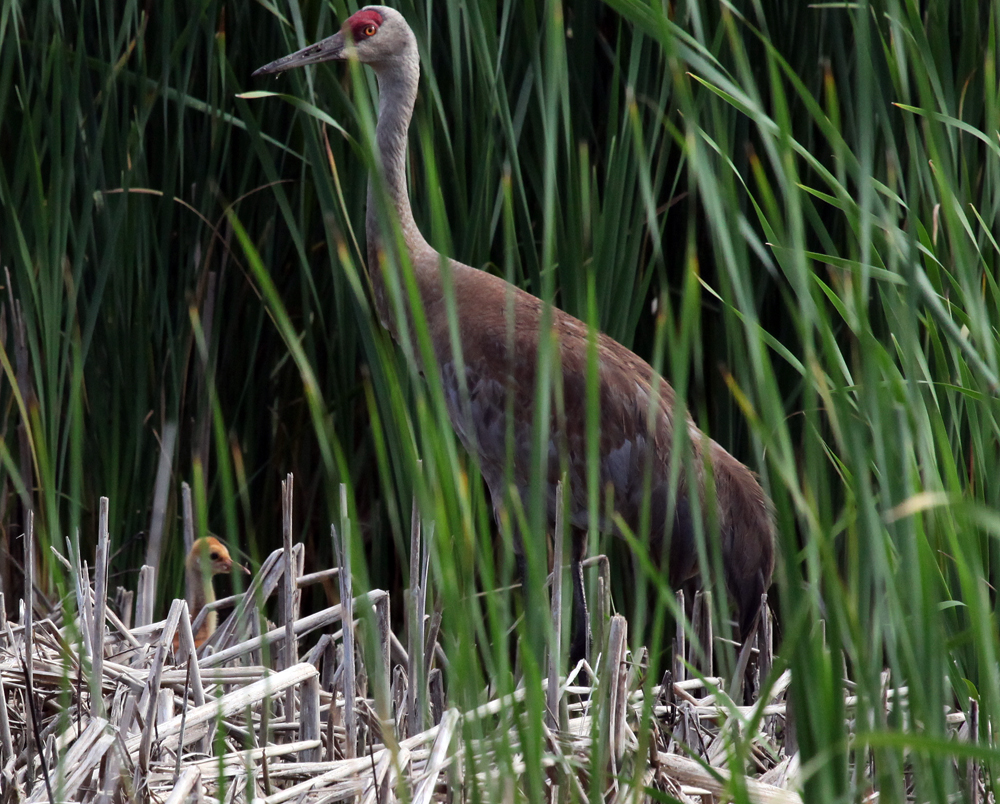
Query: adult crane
[498,329]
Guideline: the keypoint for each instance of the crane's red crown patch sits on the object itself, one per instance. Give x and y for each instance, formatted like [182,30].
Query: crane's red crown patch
[359,23]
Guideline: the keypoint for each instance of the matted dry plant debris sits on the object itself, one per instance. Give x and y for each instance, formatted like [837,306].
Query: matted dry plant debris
[97,709]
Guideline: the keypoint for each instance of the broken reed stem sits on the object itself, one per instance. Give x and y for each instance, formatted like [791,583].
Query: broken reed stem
[36,729]
[100,603]
[766,638]
[555,651]
[702,650]
[615,676]
[342,547]
[309,719]
[290,590]
[81,587]
[161,494]
[187,687]
[600,624]
[383,668]
[6,740]
[972,772]
[680,640]
[28,620]
[145,597]
[188,509]
[415,629]
[430,649]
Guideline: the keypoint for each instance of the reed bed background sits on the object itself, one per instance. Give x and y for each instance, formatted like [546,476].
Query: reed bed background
[791,210]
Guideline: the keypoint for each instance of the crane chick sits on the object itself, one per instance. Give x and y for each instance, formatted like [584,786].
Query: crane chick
[208,558]
[499,328]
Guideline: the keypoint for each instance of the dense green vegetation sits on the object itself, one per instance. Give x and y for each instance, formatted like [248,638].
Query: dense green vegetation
[792,210]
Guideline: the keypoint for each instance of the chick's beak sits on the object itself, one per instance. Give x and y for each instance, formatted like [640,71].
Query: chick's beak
[329,49]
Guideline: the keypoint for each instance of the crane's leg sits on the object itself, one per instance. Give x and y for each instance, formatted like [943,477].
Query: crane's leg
[579,646]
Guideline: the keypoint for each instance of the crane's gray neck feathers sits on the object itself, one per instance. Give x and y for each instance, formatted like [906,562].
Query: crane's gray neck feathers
[398,79]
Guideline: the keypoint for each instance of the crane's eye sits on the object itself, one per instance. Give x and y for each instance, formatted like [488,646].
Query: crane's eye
[215,555]
[369,30]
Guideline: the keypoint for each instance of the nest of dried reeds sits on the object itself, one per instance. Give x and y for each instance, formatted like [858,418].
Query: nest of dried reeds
[93,708]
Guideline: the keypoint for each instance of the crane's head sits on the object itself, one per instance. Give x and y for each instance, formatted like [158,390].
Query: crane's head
[374,35]
[209,555]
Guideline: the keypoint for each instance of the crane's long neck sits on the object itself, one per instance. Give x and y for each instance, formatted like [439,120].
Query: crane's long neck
[200,592]
[397,84]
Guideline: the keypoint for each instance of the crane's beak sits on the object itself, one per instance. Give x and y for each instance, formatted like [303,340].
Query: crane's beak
[228,566]
[330,49]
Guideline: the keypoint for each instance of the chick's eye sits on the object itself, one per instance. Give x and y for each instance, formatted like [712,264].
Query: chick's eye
[215,556]
[370,30]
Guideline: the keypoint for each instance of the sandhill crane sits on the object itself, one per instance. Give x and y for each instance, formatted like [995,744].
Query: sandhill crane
[208,557]
[500,364]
